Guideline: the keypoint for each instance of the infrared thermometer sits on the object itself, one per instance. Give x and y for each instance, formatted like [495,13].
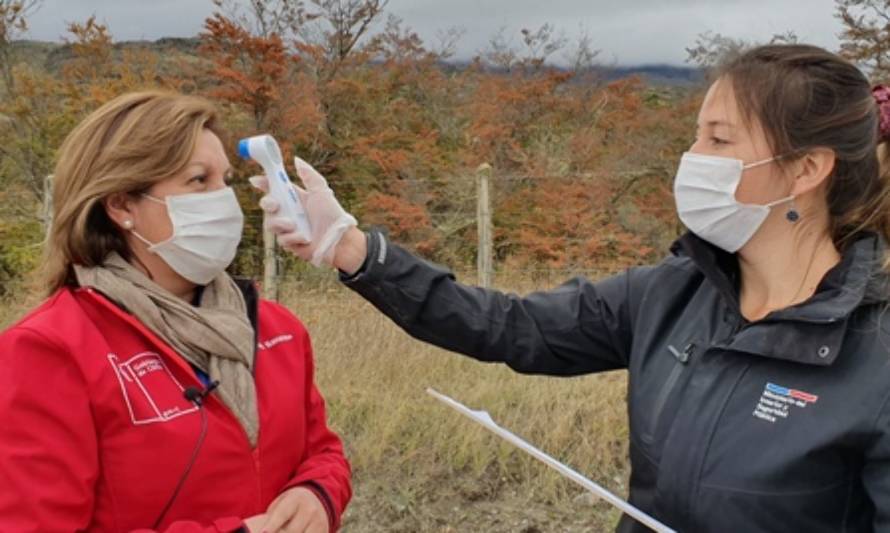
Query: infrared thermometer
[264,150]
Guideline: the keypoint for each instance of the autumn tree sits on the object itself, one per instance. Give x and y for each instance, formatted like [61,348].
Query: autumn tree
[13,24]
[398,119]
[41,106]
[265,17]
[21,139]
[713,49]
[331,33]
[866,35]
[249,70]
[19,161]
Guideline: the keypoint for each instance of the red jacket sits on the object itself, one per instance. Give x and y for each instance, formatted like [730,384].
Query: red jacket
[95,431]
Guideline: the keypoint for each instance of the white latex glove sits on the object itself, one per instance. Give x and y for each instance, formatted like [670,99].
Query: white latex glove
[327,217]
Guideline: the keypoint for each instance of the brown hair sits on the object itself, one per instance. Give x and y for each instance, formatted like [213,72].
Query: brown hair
[805,97]
[125,146]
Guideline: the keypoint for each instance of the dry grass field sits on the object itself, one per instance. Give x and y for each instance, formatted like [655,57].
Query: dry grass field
[419,466]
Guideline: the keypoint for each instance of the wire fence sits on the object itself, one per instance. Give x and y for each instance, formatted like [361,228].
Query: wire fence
[475,211]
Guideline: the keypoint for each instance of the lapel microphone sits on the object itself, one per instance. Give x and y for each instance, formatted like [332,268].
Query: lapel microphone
[197,397]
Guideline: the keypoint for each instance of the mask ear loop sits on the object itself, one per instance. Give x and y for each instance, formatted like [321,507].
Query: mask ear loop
[760,163]
[143,239]
[793,215]
[780,201]
[153,199]
[771,159]
[132,230]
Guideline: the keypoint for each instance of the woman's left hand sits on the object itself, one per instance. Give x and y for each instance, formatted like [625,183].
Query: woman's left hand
[297,510]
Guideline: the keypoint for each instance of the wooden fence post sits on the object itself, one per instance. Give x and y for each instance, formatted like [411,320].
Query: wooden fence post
[485,251]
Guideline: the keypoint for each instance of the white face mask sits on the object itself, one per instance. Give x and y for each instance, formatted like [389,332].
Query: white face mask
[206,231]
[704,191]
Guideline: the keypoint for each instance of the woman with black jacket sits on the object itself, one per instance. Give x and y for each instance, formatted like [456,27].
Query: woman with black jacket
[758,351]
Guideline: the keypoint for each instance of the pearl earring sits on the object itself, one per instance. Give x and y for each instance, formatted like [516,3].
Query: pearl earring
[128,224]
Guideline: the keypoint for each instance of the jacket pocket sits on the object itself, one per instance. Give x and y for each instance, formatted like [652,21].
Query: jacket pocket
[681,358]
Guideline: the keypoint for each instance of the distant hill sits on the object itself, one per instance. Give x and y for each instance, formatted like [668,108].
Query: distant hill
[53,55]
[658,74]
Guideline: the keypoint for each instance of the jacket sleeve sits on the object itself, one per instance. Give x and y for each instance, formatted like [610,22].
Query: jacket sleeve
[324,469]
[222,525]
[579,327]
[48,448]
[876,470]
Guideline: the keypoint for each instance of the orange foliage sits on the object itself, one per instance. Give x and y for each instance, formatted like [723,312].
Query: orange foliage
[582,172]
[582,168]
[405,221]
[249,70]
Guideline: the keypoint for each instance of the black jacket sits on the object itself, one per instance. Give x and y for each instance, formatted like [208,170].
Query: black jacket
[776,425]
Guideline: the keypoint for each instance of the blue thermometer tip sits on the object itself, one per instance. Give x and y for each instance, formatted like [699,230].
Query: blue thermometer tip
[244,149]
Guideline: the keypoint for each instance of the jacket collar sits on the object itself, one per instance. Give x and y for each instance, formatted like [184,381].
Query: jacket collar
[810,332]
[252,300]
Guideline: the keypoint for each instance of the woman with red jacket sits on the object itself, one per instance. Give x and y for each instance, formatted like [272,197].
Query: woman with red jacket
[151,391]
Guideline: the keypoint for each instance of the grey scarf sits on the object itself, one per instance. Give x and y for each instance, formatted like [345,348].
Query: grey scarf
[216,337]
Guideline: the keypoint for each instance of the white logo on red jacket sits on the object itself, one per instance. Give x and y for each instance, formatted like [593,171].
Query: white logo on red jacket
[274,341]
[150,390]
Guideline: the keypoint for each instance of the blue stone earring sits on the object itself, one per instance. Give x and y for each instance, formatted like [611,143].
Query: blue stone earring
[793,215]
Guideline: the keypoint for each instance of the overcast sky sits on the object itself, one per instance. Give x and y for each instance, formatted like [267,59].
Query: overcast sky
[628,32]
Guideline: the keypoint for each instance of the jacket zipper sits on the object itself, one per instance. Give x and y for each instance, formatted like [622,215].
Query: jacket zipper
[669,384]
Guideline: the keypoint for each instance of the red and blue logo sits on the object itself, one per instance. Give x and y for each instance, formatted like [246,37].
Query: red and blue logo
[792,393]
